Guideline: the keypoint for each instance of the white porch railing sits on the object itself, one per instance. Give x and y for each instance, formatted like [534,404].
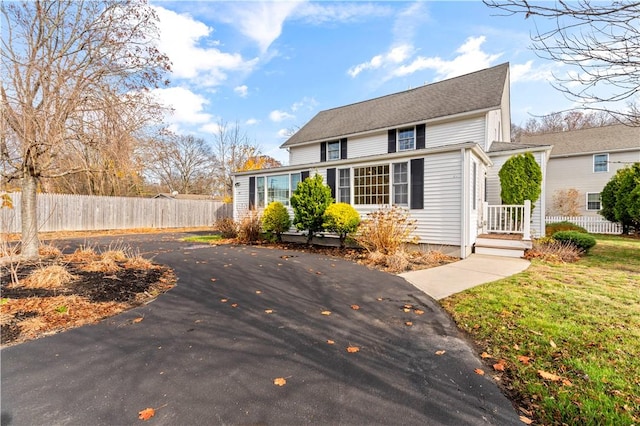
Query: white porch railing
[508,219]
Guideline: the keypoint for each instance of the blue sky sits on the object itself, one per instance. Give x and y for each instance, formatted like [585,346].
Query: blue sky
[271,66]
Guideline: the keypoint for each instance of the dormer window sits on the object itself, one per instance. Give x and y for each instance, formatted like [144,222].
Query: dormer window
[333,150]
[406,139]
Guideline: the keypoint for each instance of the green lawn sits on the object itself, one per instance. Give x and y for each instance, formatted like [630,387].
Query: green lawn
[580,322]
[212,238]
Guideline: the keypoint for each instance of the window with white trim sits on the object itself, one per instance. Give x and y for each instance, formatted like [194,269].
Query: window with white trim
[406,139]
[344,186]
[600,163]
[401,184]
[371,184]
[295,180]
[278,189]
[333,150]
[260,192]
[593,201]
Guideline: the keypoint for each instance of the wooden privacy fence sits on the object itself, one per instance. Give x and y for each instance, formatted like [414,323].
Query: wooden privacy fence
[594,225]
[63,212]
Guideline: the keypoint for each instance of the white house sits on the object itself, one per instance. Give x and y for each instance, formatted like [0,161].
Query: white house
[428,149]
[585,160]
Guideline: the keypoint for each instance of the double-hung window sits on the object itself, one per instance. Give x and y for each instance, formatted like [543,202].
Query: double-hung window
[295,180]
[593,201]
[401,184]
[600,163]
[261,195]
[344,186]
[333,150]
[406,139]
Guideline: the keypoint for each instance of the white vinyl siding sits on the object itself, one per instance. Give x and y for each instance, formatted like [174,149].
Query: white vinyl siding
[365,146]
[577,172]
[304,154]
[470,130]
[439,222]
[240,196]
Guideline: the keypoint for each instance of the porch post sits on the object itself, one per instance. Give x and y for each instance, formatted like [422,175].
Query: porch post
[485,216]
[526,228]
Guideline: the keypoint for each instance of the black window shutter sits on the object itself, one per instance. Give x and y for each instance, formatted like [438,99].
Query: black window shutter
[392,141]
[252,192]
[417,183]
[331,181]
[420,136]
[323,151]
[304,175]
[343,149]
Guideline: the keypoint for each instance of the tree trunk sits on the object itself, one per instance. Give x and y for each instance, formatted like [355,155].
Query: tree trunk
[30,242]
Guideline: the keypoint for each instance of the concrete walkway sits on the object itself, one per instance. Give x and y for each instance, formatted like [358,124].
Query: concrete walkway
[443,281]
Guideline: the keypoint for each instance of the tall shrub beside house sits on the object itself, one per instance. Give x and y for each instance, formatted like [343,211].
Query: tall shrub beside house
[342,219]
[621,198]
[520,179]
[275,219]
[309,201]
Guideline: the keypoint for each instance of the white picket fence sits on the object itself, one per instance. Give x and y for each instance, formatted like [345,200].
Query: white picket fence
[593,225]
[63,212]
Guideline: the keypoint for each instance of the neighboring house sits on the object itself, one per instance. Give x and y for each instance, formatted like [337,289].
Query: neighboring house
[427,149]
[586,160]
[176,196]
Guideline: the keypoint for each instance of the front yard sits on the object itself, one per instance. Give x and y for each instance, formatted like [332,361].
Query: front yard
[564,339]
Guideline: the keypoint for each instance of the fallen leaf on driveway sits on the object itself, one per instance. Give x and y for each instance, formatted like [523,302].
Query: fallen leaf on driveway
[331,342]
[408,323]
[418,312]
[406,310]
[355,307]
[234,305]
[353,349]
[258,292]
[214,279]
[280,381]
[137,320]
[146,414]
[549,376]
[479,371]
[326,312]
[268,311]
[440,352]
[224,300]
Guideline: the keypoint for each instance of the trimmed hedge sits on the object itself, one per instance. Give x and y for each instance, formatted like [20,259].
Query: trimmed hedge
[581,240]
[554,227]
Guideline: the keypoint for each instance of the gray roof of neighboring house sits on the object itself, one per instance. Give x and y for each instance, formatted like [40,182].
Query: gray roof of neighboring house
[597,139]
[471,92]
[510,146]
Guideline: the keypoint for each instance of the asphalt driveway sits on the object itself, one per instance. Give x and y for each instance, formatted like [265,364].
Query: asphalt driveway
[197,359]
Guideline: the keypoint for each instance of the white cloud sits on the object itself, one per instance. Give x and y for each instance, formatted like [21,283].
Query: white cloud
[181,38]
[260,21]
[526,72]
[251,122]
[284,133]
[331,12]
[277,116]
[243,90]
[188,106]
[395,55]
[210,128]
[306,103]
[470,58]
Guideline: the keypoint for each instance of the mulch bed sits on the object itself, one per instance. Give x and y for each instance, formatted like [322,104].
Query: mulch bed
[27,313]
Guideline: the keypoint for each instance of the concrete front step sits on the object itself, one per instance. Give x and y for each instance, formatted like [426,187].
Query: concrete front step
[499,251]
[503,243]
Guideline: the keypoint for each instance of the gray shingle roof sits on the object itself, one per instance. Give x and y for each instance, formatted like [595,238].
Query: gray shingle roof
[509,146]
[471,92]
[596,139]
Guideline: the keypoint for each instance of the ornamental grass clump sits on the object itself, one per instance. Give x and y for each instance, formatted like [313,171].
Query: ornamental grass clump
[386,230]
[249,228]
[275,219]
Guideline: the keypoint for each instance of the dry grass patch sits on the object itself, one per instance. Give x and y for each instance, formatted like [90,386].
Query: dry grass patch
[84,254]
[107,265]
[139,262]
[48,277]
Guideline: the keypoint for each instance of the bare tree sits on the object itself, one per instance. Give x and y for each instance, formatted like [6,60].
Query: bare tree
[232,149]
[561,122]
[182,163]
[68,64]
[600,41]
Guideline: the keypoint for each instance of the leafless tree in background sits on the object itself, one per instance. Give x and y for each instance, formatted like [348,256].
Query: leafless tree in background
[562,122]
[69,68]
[181,163]
[599,41]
